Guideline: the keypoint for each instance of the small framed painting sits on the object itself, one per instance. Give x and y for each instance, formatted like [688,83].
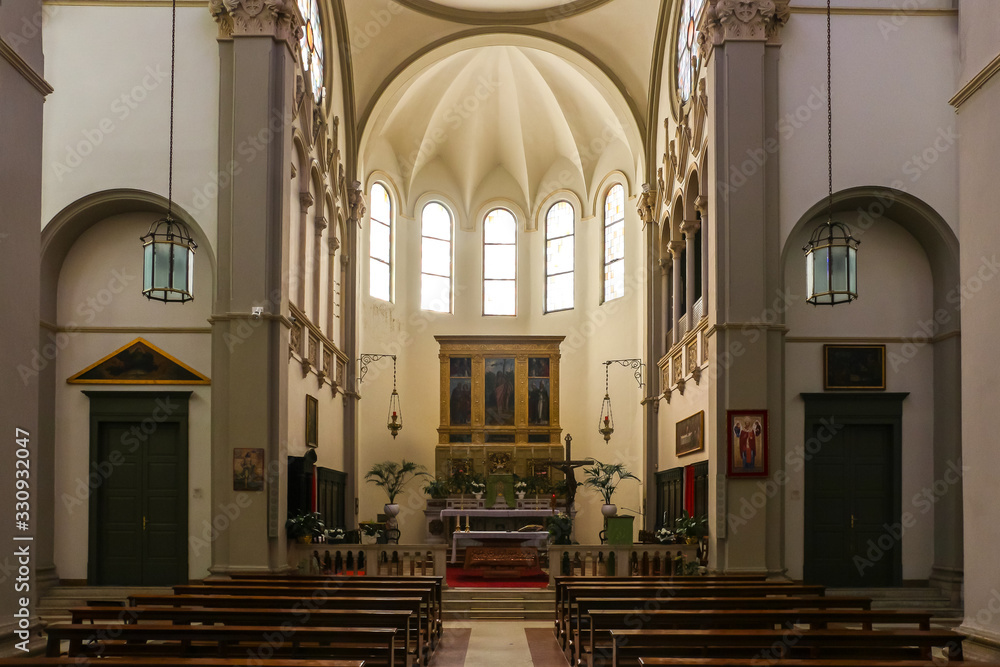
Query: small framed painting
[312,422]
[850,367]
[747,433]
[248,469]
[690,434]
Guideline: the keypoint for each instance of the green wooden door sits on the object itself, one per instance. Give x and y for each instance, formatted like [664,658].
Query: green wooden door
[850,509]
[139,522]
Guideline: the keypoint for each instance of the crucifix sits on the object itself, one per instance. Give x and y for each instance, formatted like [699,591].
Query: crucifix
[568,466]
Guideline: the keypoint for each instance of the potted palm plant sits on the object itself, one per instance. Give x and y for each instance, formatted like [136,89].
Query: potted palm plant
[391,476]
[605,478]
[305,526]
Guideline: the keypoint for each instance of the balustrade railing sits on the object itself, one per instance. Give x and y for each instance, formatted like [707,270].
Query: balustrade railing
[607,560]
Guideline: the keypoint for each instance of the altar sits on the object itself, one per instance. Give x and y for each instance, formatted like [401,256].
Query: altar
[536,539]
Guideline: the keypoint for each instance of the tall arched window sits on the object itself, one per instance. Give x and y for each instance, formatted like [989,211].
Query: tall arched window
[687,41]
[435,262]
[311,46]
[559,257]
[380,245]
[500,263]
[614,243]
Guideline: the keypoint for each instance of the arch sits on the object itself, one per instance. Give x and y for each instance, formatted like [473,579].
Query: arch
[599,73]
[522,17]
[439,197]
[538,219]
[917,217]
[692,188]
[677,217]
[381,177]
[601,192]
[617,283]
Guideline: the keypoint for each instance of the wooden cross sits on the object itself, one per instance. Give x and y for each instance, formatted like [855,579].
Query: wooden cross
[568,466]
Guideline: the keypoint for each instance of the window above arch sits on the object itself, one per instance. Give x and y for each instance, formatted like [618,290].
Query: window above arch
[380,244]
[500,263]
[311,46]
[560,247]
[435,258]
[687,43]
[614,243]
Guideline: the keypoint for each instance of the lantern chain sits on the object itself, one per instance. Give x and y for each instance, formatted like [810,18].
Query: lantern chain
[173,51]
[829,115]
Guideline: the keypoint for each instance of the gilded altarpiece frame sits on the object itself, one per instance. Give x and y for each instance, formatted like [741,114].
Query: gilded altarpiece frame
[499,401]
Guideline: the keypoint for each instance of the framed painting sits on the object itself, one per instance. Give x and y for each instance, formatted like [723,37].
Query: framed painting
[854,367]
[312,422]
[248,469]
[747,433]
[690,437]
[499,386]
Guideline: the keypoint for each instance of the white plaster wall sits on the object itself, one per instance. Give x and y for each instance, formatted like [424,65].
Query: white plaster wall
[893,75]
[594,333]
[895,285]
[106,124]
[100,286]
[980,246]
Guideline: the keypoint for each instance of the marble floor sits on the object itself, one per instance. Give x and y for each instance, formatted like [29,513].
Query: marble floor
[498,644]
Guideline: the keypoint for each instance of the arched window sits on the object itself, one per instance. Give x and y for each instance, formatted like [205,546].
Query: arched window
[435,262]
[687,42]
[311,45]
[380,245]
[559,257]
[614,243]
[500,263]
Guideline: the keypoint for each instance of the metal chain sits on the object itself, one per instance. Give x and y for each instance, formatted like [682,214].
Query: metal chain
[829,114]
[173,47]
[394,372]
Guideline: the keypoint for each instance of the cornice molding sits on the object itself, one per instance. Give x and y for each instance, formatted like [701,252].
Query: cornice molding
[525,17]
[977,82]
[125,3]
[874,11]
[8,53]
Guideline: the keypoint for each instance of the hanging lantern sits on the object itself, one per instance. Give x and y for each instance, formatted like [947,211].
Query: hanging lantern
[395,421]
[607,424]
[832,252]
[831,265]
[168,262]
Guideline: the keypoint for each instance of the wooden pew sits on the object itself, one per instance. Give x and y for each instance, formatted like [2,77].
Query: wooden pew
[668,590]
[333,618]
[431,617]
[789,662]
[598,644]
[630,645]
[396,585]
[173,661]
[376,646]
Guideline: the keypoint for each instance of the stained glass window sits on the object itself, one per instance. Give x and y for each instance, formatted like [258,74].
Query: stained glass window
[311,45]
[500,263]
[380,244]
[687,42]
[435,262]
[614,243]
[559,257]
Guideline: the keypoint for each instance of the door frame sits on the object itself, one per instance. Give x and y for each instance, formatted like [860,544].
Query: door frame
[883,409]
[118,406]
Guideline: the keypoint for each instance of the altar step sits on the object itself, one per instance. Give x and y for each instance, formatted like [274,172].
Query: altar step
[498,603]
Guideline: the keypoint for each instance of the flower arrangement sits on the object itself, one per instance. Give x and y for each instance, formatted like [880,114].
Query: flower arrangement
[305,526]
[560,527]
[335,535]
[664,536]
[477,487]
[520,486]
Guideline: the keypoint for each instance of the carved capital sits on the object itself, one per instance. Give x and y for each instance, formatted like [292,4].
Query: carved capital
[666,263]
[306,200]
[321,224]
[278,18]
[690,228]
[334,244]
[645,204]
[743,20]
[701,205]
[676,248]
[356,200]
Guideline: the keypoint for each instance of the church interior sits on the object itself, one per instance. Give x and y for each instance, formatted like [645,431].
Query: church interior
[503,291]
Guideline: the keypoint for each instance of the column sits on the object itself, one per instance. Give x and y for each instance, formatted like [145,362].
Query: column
[317,268]
[690,228]
[666,269]
[305,203]
[676,248]
[250,354]
[740,42]
[701,205]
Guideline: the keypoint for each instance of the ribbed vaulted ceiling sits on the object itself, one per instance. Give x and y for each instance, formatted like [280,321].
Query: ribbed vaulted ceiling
[512,120]
[503,5]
